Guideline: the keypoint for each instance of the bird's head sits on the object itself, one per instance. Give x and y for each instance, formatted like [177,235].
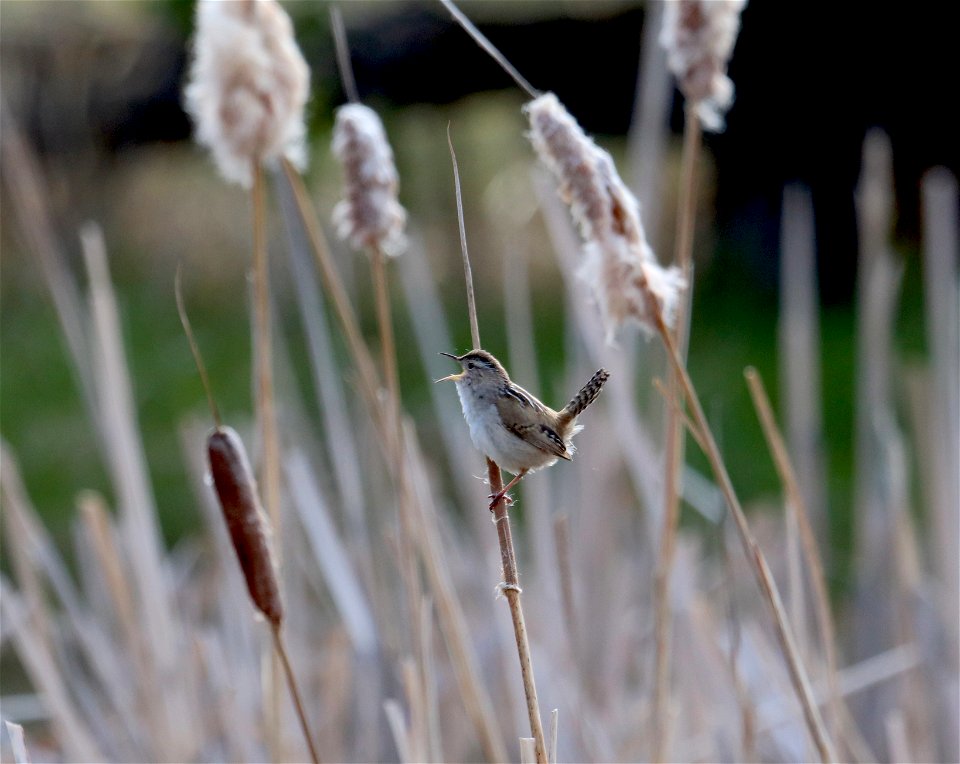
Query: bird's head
[477,367]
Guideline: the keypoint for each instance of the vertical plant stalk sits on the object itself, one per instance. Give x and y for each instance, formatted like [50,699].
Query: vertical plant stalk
[249,532]
[452,621]
[392,421]
[263,342]
[341,302]
[797,506]
[479,705]
[385,325]
[758,563]
[511,579]
[266,412]
[294,691]
[511,591]
[674,440]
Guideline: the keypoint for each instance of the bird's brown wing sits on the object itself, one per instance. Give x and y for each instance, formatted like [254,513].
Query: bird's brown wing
[541,436]
[526,417]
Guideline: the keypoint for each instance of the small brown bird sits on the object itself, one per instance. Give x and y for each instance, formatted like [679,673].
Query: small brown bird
[508,424]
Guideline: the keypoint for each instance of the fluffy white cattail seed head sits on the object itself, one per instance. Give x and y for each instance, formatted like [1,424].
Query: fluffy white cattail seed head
[699,36]
[248,86]
[619,265]
[369,216]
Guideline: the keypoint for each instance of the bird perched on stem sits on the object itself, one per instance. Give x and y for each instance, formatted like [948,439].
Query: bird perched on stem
[508,424]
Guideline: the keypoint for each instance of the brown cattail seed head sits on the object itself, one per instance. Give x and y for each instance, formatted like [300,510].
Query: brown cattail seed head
[248,86]
[699,36]
[369,216]
[246,521]
[619,265]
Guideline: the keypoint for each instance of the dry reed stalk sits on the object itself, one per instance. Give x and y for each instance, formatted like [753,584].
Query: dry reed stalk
[332,556]
[434,747]
[96,519]
[748,713]
[673,443]
[605,210]
[511,579]
[452,622]
[528,750]
[511,591]
[29,621]
[799,351]
[399,729]
[371,219]
[405,499]
[759,566]
[880,494]
[340,443]
[248,526]
[247,88]
[650,123]
[24,184]
[941,243]
[17,745]
[411,679]
[359,353]
[263,345]
[554,728]
[796,505]
[699,38]
[266,421]
[127,466]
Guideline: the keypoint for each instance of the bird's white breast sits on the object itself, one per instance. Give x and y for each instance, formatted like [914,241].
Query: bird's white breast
[493,439]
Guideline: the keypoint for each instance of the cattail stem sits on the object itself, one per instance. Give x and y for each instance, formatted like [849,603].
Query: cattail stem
[266,412]
[264,356]
[758,563]
[511,579]
[673,442]
[452,621]
[394,436]
[797,505]
[385,325]
[338,293]
[511,591]
[294,691]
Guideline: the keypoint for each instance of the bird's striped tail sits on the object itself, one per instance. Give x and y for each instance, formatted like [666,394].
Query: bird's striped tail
[587,395]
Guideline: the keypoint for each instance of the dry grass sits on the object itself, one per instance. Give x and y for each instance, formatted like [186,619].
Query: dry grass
[391,619]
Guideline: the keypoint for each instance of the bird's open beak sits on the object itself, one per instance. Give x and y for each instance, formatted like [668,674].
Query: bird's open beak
[451,377]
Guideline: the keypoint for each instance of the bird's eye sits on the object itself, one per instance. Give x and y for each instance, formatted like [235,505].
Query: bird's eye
[470,366]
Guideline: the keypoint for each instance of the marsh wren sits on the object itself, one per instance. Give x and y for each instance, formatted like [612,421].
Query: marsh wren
[508,424]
